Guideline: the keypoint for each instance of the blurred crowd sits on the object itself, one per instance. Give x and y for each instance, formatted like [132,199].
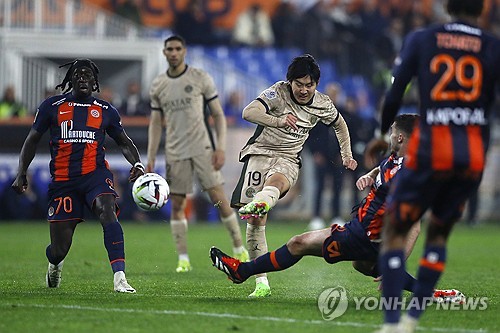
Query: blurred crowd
[362,37]
[133,103]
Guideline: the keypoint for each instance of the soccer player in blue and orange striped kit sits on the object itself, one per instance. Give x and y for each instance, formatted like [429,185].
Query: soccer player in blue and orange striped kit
[78,123]
[357,240]
[457,66]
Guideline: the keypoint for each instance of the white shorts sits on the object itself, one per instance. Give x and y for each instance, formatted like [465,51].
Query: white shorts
[256,170]
[180,174]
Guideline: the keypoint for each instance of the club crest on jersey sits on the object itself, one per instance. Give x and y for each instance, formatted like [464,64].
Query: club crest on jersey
[188,88]
[51,211]
[269,93]
[250,192]
[94,113]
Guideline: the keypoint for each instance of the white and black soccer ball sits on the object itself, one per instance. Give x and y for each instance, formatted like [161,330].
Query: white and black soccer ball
[150,191]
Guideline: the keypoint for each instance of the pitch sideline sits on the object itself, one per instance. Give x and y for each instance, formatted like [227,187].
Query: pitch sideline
[232,316]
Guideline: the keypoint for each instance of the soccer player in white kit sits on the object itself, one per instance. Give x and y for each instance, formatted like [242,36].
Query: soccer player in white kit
[178,100]
[284,113]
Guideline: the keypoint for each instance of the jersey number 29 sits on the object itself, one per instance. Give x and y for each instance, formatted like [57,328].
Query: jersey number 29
[466,70]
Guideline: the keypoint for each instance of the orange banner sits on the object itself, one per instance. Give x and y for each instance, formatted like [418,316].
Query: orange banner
[161,13]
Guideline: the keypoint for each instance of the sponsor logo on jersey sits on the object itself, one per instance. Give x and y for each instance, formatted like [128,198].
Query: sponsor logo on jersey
[463,28]
[178,104]
[457,116]
[299,133]
[51,211]
[99,104]
[68,135]
[78,104]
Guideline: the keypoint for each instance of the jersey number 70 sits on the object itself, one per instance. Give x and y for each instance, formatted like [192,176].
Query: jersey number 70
[466,70]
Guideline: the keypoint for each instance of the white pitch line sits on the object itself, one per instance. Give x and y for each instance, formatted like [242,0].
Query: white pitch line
[233,316]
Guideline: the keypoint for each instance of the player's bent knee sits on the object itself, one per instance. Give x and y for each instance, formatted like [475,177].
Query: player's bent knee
[297,245]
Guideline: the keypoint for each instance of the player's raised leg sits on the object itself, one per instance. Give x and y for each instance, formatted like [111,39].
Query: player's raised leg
[289,254]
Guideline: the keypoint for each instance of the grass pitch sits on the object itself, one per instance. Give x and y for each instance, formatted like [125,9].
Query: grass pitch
[204,300]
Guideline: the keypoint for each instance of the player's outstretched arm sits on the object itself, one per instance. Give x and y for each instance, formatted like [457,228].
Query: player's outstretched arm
[26,156]
[344,139]
[129,150]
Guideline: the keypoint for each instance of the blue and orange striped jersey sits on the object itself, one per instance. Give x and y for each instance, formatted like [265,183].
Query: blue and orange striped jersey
[77,132]
[457,66]
[371,211]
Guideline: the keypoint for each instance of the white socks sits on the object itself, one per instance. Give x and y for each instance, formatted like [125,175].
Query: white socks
[233,227]
[256,242]
[179,233]
[269,194]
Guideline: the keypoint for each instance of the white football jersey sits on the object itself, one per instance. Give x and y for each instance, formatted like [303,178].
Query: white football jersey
[183,100]
[287,142]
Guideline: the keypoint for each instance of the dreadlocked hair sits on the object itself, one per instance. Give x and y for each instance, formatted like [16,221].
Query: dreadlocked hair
[73,65]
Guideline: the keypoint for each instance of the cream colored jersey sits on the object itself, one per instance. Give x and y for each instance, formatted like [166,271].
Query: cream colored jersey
[183,100]
[287,142]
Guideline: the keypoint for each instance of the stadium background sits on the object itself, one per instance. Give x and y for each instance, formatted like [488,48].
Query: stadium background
[37,36]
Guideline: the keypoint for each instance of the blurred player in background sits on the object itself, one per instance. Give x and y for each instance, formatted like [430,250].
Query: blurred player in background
[284,113]
[78,123]
[457,66]
[357,240]
[178,99]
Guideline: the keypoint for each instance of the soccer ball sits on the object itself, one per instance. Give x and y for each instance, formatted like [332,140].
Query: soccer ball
[150,191]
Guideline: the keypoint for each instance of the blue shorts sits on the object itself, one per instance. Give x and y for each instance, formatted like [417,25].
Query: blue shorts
[67,199]
[445,193]
[349,243]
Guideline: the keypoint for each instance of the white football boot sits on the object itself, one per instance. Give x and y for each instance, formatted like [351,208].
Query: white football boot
[121,284]
[53,276]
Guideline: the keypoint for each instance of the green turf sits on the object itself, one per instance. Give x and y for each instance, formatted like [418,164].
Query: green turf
[204,300]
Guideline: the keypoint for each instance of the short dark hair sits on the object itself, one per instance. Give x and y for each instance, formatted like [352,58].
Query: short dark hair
[302,66]
[175,37]
[73,65]
[465,7]
[406,122]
